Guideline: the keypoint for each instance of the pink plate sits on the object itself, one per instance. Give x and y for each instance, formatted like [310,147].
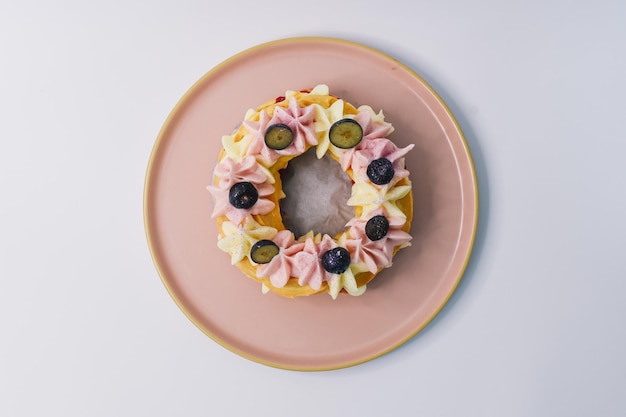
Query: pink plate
[309,333]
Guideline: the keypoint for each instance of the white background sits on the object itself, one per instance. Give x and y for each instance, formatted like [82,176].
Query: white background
[536,327]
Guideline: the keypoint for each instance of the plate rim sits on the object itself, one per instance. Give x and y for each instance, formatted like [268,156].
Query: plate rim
[147,193]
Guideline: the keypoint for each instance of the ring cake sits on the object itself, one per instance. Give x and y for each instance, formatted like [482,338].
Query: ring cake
[247,189]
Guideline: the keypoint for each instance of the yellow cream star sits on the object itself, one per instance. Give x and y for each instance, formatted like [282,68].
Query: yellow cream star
[370,197]
[320,89]
[345,280]
[235,150]
[324,118]
[376,118]
[238,240]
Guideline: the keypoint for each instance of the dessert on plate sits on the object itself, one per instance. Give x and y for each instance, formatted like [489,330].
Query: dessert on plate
[247,189]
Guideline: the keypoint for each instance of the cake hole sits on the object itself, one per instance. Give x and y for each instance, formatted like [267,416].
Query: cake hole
[317,193]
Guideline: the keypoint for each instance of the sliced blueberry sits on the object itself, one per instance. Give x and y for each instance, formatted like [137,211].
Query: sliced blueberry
[263,251]
[380,171]
[243,195]
[278,136]
[345,133]
[336,260]
[377,227]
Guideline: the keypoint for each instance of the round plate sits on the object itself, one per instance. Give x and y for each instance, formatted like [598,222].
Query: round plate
[309,333]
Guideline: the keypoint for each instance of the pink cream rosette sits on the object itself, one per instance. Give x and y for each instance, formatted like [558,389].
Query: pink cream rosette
[374,127]
[375,254]
[327,243]
[376,149]
[299,119]
[229,173]
[281,267]
[308,264]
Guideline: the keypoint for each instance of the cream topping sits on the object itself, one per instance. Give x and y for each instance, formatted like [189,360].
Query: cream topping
[235,150]
[372,197]
[346,280]
[299,120]
[376,149]
[378,253]
[280,268]
[374,127]
[229,172]
[238,239]
[324,119]
[307,265]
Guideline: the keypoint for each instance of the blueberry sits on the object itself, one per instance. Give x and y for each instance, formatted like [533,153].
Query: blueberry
[345,133]
[380,171]
[263,251]
[377,227]
[278,136]
[336,260]
[243,195]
